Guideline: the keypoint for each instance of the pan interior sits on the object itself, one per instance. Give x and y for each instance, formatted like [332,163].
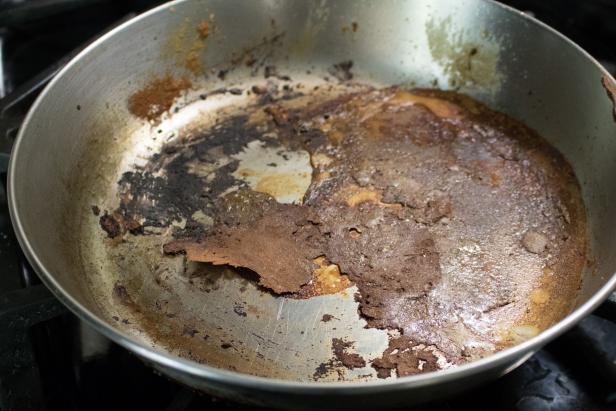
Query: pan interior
[219,316]
[215,314]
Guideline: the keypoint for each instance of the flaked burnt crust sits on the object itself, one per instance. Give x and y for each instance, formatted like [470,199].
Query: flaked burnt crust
[280,244]
[405,357]
[386,196]
[340,348]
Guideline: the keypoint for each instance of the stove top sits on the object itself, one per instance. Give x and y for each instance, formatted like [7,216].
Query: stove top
[49,360]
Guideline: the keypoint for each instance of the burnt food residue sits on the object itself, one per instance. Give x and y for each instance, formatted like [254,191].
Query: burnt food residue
[156,97]
[404,183]
[610,89]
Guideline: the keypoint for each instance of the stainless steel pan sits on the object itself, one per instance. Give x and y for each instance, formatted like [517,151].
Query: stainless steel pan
[79,137]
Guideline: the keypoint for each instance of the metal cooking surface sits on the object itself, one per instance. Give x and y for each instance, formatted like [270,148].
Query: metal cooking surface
[98,122]
[492,285]
[214,315]
[552,378]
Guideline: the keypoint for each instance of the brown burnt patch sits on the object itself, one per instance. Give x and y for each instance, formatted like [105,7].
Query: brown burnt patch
[117,224]
[386,253]
[326,279]
[204,29]
[122,296]
[308,248]
[405,357]
[284,266]
[439,107]
[347,359]
[110,225]
[414,196]
[156,97]
[380,202]
[610,89]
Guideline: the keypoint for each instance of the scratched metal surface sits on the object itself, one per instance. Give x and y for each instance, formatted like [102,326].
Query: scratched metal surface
[215,315]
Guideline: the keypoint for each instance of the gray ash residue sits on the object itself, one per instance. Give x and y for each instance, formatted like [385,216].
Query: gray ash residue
[342,70]
[408,186]
[323,369]
[239,309]
[173,185]
[156,199]
[272,71]
[110,225]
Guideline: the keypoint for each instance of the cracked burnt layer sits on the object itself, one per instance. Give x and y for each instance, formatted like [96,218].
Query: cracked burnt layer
[185,178]
[425,200]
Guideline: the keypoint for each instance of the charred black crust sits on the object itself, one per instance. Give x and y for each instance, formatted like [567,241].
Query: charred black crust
[342,70]
[110,225]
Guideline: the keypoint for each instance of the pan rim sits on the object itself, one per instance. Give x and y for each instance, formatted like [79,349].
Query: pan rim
[514,355]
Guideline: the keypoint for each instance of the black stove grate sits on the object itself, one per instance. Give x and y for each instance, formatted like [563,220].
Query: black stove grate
[49,360]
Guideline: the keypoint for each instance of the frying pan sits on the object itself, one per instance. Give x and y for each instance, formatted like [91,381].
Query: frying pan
[79,137]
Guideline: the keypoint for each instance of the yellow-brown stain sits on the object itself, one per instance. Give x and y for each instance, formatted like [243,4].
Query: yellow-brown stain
[345,294]
[193,60]
[354,233]
[610,88]
[437,106]
[283,175]
[336,136]
[280,185]
[353,195]
[465,59]
[246,172]
[326,127]
[495,179]
[203,29]
[251,309]
[548,271]
[539,296]
[186,43]
[358,195]
[322,176]
[327,279]
[177,38]
[376,116]
[319,160]
[351,28]
[519,333]
[193,63]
